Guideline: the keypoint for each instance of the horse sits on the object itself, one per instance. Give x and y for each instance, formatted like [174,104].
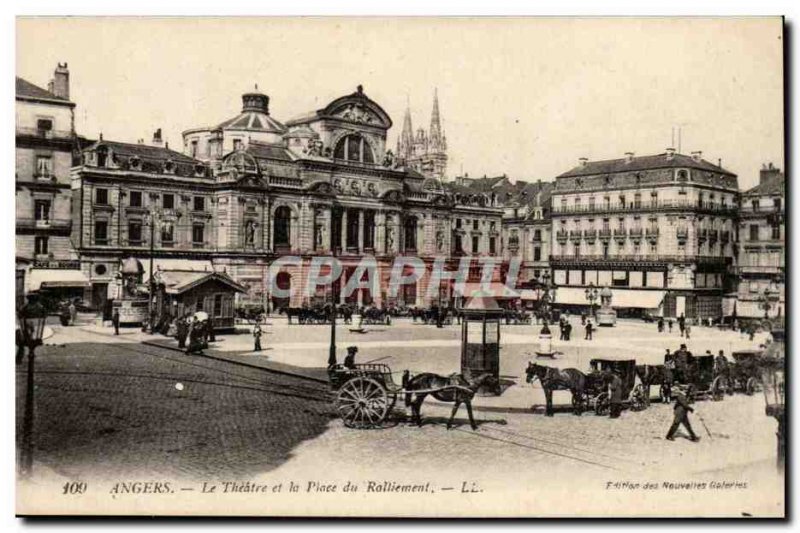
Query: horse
[552,378]
[456,389]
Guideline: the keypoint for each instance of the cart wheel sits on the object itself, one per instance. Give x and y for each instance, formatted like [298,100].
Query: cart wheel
[718,389]
[638,398]
[601,404]
[363,403]
[752,386]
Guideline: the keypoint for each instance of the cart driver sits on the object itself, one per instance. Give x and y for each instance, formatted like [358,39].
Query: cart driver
[350,358]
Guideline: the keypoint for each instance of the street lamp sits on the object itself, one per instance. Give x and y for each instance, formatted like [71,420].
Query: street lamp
[31,318]
[766,300]
[592,294]
[773,378]
[152,222]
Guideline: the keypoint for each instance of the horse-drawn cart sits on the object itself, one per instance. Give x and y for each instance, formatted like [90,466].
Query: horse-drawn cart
[596,393]
[744,373]
[367,393]
[698,376]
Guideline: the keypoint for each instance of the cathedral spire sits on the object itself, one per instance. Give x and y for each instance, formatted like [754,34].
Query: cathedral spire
[436,124]
[406,140]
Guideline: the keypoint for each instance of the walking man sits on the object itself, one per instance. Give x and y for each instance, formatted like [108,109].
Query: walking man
[115,321]
[682,324]
[681,410]
[615,396]
[661,324]
[257,337]
[589,330]
[669,324]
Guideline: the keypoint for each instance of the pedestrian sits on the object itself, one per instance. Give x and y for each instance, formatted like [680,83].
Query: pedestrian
[615,395]
[669,367]
[180,332]
[195,337]
[661,324]
[115,321]
[688,331]
[583,319]
[211,335]
[257,336]
[682,324]
[669,324]
[350,358]
[73,313]
[568,330]
[20,342]
[589,330]
[681,411]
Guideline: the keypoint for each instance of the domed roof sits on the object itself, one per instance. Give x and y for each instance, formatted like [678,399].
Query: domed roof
[130,266]
[254,116]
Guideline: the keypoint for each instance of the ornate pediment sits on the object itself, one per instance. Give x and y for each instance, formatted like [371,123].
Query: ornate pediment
[357,113]
[322,187]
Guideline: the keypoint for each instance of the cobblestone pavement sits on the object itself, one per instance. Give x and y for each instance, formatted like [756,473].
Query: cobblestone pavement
[122,409]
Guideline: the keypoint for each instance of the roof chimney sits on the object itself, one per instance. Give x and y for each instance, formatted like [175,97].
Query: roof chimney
[61,81]
[157,140]
[628,157]
[697,156]
[583,161]
[670,153]
[769,172]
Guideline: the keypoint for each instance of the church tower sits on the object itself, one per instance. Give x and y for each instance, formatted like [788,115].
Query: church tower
[425,152]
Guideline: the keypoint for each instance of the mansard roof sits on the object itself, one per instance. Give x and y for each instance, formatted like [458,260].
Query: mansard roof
[143,151]
[770,187]
[648,162]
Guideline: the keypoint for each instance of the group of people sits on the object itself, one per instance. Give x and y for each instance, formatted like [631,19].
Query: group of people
[565,327]
[193,334]
[683,326]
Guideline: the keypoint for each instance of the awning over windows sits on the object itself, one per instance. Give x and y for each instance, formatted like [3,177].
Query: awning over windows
[494,289]
[620,298]
[47,278]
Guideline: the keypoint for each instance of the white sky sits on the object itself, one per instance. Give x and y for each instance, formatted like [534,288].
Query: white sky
[524,97]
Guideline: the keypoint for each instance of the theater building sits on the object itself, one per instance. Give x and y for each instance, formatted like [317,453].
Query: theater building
[253,189]
[658,230]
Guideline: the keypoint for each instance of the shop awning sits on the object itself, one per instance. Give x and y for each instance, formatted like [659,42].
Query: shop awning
[634,298]
[47,278]
[620,298]
[494,289]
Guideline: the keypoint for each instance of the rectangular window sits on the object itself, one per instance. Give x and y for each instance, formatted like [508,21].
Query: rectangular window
[40,245]
[492,245]
[475,244]
[217,306]
[44,125]
[776,232]
[637,200]
[755,205]
[41,210]
[237,145]
[537,253]
[194,148]
[198,234]
[475,224]
[100,232]
[136,199]
[753,232]
[537,235]
[591,202]
[199,203]
[458,223]
[167,234]
[168,201]
[776,202]
[134,233]
[101,196]
[44,166]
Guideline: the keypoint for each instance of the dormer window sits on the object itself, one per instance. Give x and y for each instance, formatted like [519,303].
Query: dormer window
[354,148]
[102,156]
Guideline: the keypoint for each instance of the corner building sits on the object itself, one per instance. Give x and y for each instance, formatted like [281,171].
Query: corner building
[253,189]
[658,230]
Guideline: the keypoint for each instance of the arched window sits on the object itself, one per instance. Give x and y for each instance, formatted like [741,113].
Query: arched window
[354,148]
[283,224]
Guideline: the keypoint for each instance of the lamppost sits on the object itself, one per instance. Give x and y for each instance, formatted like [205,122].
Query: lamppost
[151,220]
[773,364]
[31,318]
[335,284]
[592,294]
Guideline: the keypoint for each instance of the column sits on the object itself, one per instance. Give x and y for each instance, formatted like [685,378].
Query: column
[380,232]
[344,230]
[360,235]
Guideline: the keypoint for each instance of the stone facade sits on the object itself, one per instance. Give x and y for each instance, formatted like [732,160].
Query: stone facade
[762,247]
[327,185]
[662,223]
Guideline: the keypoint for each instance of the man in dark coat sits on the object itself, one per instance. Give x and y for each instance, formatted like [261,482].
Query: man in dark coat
[180,332]
[115,321]
[257,337]
[567,331]
[615,395]
[589,330]
[350,358]
[682,323]
[681,410]
[661,324]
